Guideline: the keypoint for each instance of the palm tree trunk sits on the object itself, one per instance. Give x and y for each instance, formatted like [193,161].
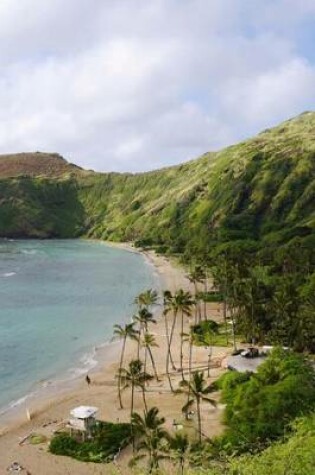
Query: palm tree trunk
[181,345]
[131,411]
[153,364]
[209,359]
[168,371]
[139,341]
[189,368]
[190,356]
[182,463]
[196,313]
[197,302]
[145,358]
[199,418]
[205,295]
[225,319]
[132,398]
[119,375]
[233,329]
[171,336]
[144,399]
[168,341]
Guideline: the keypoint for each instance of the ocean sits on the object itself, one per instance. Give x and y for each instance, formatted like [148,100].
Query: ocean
[59,300]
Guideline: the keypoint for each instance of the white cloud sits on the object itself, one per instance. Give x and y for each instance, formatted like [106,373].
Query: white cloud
[272,95]
[133,85]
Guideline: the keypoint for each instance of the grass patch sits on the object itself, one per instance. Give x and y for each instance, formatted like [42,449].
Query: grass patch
[36,439]
[211,333]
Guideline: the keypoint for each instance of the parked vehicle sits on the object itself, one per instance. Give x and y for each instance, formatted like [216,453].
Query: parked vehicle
[250,352]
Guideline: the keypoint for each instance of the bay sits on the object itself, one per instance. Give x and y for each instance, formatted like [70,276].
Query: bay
[59,299]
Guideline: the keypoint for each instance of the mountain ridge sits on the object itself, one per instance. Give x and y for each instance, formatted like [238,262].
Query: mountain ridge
[261,187]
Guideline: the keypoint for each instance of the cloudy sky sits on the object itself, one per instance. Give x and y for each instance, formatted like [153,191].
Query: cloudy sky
[131,85]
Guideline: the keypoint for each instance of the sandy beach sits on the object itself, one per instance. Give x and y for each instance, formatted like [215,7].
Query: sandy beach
[49,415]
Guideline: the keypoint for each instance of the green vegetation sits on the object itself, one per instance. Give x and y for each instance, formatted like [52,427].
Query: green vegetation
[203,329]
[244,216]
[260,407]
[108,439]
[260,189]
[40,207]
[35,439]
[294,456]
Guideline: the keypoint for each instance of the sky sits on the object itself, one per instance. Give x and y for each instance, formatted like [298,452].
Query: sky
[135,85]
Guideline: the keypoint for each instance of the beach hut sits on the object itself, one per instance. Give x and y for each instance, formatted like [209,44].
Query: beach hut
[82,421]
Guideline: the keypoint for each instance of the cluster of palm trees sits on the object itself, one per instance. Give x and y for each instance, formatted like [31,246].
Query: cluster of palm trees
[151,440]
[148,434]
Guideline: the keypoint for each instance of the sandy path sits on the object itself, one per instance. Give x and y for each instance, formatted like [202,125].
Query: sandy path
[103,394]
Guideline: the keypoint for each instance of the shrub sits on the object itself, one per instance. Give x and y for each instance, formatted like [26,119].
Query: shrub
[108,439]
[206,327]
[63,444]
[261,406]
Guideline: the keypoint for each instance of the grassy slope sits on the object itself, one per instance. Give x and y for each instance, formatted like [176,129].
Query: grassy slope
[296,456]
[255,188]
[263,186]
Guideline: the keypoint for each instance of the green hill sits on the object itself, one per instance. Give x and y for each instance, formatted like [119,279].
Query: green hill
[261,188]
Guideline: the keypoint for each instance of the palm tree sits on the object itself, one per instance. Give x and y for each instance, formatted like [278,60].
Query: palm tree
[167,299]
[207,341]
[183,302]
[196,276]
[191,339]
[143,317]
[149,342]
[198,390]
[151,435]
[133,377]
[179,447]
[146,299]
[128,331]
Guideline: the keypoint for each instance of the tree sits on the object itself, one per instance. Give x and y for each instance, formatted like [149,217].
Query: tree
[146,299]
[151,435]
[260,406]
[128,331]
[207,340]
[182,302]
[198,389]
[133,377]
[179,448]
[148,343]
[167,299]
[197,276]
[143,317]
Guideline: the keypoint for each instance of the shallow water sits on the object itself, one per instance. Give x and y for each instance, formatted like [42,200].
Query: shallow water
[59,300]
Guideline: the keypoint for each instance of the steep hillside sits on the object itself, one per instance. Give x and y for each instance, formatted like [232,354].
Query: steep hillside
[261,188]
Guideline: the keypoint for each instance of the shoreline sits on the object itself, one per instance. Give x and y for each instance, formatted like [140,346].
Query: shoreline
[44,392]
[102,393]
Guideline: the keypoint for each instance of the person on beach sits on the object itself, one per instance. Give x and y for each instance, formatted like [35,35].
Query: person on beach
[88,380]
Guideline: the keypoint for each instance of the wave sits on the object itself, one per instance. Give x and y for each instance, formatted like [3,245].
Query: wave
[87,362]
[8,274]
[15,403]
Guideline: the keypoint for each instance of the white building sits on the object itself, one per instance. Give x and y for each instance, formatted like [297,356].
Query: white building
[82,420]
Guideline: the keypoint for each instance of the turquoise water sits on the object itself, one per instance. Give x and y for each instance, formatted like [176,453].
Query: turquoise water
[58,300]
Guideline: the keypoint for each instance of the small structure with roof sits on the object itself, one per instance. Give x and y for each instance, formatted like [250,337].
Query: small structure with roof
[82,420]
